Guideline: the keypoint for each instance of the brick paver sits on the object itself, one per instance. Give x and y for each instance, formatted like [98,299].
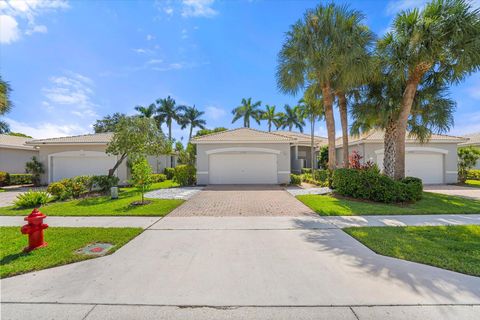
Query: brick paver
[244,200]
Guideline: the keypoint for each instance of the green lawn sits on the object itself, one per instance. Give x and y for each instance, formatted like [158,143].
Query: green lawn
[473,183]
[62,244]
[431,203]
[104,206]
[454,248]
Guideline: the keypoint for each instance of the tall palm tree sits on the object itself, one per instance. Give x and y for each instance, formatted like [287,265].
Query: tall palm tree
[293,117]
[315,51]
[272,117]
[167,112]
[5,104]
[312,108]
[246,111]
[147,112]
[438,43]
[191,117]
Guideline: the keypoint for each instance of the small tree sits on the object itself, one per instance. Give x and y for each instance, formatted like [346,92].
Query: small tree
[136,137]
[142,176]
[467,158]
[35,168]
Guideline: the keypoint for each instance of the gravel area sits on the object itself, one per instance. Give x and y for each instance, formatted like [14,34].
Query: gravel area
[174,193]
[296,191]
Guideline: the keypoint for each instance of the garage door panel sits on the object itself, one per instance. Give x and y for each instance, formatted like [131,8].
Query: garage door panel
[68,167]
[243,168]
[426,166]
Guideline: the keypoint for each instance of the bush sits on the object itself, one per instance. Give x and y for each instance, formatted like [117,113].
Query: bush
[184,175]
[142,176]
[306,170]
[75,187]
[58,190]
[35,168]
[21,178]
[158,177]
[169,172]
[4,179]
[103,183]
[471,174]
[370,185]
[295,179]
[32,199]
[322,175]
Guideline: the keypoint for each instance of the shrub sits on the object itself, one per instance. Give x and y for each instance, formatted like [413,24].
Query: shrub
[467,158]
[169,172]
[21,178]
[306,170]
[103,183]
[370,185]
[321,175]
[76,186]
[35,168]
[295,179]
[4,179]
[142,176]
[184,175]
[473,174]
[32,199]
[58,190]
[158,177]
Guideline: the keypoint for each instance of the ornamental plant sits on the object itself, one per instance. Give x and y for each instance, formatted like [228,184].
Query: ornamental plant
[142,176]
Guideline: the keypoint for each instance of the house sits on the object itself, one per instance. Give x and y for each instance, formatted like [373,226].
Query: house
[72,156]
[473,141]
[14,153]
[434,161]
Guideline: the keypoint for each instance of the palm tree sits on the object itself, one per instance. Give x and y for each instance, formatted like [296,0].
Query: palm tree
[315,51]
[246,111]
[167,112]
[272,117]
[147,112]
[312,108]
[5,104]
[191,117]
[292,117]
[438,43]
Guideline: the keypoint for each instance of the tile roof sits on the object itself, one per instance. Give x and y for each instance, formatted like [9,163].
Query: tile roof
[96,138]
[473,140]
[242,135]
[377,136]
[14,142]
[302,137]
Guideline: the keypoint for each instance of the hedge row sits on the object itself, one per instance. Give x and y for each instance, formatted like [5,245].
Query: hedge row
[371,185]
[7,179]
[473,174]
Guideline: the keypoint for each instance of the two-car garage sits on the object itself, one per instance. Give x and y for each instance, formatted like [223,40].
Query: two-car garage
[77,163]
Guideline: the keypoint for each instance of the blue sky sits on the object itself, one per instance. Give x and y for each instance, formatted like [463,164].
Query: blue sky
[71,62]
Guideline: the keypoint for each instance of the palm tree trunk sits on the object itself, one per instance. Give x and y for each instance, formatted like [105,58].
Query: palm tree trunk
[389,149]
[190,135]
[290,127]
[342,106]
[169,123]
[269,126]
[330,120]
[312,142]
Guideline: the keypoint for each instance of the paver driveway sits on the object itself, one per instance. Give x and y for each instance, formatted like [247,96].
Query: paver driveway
[242,200]
[452,190]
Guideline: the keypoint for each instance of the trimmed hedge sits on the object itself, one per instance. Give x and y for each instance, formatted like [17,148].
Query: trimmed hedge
[184,175]
[370,185]
[295,179]
[473,174]
[4,178]
[159,177]
[169,172]
[21,178]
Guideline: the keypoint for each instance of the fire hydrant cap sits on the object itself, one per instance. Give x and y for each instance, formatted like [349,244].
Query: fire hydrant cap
[35,215]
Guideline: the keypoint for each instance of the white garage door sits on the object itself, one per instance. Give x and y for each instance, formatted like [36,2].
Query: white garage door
[72,166]
[426,166]
[243,168]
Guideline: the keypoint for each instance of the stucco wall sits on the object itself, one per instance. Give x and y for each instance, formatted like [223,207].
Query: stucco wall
[159,163]
[283,159]
[367,150]
[13,160]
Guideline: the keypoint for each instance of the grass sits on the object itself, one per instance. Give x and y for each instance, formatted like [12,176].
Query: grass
[62,244]
[431,203]
[473,183]
[455,248]
[105,206]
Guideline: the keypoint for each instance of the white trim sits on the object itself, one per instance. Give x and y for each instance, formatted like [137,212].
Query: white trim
[418,149]
[243,141]
[242,149]
[451,172]
[283,172]
[9,146]
[202,172]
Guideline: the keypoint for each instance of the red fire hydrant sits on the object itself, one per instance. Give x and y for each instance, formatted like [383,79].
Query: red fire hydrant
[34,229]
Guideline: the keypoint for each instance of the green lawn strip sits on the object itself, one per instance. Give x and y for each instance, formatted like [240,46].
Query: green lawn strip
[455,248]
[472,183]
[432,203]
[105,206]
[62,244]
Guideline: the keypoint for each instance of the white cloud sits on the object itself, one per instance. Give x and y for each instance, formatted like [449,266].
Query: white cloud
[168,10]
[19,16]
[474,90]
[9,31]
[150,37]
[171,66]
[154,61]
[395,6]
[198,8]
[143,51]
[73,91]
[41,130]
[184,34]
[215,113]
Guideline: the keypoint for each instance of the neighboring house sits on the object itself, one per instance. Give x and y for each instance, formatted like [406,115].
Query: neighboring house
[68,157]
[14,153]
[434,161]
[473,141]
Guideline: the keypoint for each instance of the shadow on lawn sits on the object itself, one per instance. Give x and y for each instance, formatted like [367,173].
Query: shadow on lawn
[419,278]
[12,257]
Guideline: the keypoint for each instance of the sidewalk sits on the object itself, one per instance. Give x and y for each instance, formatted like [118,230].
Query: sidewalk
[103,222]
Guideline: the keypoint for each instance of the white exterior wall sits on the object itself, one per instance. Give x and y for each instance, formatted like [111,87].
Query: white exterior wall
[14,160]
[283,158]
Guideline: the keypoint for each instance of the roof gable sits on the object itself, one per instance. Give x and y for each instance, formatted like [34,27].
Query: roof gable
[96,138]
[247,135]
[14,142]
